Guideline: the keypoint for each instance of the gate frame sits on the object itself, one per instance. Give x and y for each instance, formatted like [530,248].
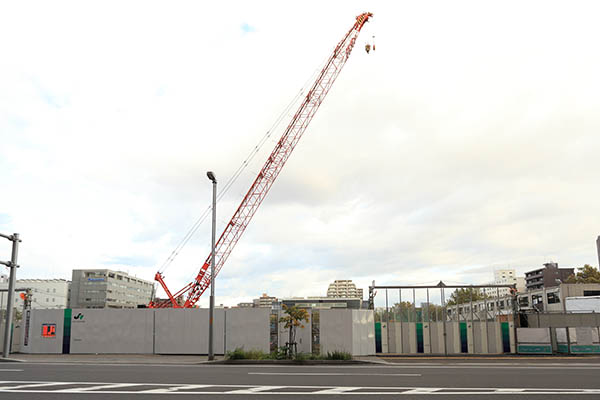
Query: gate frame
[441,285]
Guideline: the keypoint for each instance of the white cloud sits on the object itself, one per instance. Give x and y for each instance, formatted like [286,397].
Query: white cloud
[466,141]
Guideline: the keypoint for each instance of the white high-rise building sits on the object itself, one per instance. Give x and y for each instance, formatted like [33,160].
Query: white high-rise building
[45,293]
[508,277]
[344,289]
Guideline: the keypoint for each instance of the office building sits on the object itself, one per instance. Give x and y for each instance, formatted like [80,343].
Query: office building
[45,293]
[549,276]
[104,288]
[344,289]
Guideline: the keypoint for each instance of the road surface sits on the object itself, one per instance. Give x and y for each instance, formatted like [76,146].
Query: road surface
[402,378]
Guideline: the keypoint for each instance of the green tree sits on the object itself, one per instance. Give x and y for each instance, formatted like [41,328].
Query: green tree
[586,274]
[292,320]
[464,295]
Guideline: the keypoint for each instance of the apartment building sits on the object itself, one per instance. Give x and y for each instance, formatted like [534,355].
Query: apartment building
[264,301]
[508,277]
[549,276]
[344,289]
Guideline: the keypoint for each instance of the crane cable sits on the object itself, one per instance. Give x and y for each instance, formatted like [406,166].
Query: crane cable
[236,174]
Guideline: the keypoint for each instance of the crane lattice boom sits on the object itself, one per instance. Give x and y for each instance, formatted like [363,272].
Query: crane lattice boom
[269,172]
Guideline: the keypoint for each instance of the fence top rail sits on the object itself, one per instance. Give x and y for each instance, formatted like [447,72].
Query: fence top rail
[444,287]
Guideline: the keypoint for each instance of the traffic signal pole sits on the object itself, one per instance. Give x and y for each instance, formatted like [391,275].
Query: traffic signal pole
[12,264]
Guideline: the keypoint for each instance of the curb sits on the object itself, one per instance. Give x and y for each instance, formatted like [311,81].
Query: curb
[292,362]
[10,360]
[484,356]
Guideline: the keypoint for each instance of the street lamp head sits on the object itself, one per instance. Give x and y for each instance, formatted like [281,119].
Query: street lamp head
[211,176]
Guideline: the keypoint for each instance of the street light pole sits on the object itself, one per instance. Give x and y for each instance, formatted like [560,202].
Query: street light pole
[211,351]
[12,264]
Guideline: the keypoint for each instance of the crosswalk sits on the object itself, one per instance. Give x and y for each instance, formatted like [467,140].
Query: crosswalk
[212,389]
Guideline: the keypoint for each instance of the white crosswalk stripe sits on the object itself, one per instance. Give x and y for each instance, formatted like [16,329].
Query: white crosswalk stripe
[212,389]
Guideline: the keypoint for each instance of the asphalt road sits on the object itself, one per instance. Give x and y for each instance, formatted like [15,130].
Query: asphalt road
[406,379]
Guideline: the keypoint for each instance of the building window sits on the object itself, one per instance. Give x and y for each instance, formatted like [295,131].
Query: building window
[553,298]
[524,301]
[591,293]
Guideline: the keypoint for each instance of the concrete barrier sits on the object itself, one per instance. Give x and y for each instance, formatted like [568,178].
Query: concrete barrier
[534,341]
[579,340]
[248,329]
[185,331]
[112,331]
[351,331]
[33,339]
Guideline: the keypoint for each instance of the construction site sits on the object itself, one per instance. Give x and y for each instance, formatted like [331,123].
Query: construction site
[174,324]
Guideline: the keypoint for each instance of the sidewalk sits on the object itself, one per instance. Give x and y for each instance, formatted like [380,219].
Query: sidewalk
[111,358]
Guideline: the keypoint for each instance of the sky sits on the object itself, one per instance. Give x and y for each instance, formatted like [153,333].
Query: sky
[466,142]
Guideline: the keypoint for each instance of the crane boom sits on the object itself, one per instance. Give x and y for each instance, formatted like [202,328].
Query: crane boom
[270,170]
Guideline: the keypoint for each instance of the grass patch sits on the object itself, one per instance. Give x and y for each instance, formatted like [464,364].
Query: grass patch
[338,355]
[241,354]
[280,354]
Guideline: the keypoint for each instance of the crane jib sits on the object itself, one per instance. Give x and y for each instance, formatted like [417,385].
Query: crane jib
[269,172]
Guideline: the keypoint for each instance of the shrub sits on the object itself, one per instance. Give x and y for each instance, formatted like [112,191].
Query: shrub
[241,354]
[338,355]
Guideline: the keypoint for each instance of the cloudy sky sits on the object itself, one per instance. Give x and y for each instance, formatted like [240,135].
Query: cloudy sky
[467,142]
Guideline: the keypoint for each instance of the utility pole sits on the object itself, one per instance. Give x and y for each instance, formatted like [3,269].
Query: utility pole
[211,332]
[12,264]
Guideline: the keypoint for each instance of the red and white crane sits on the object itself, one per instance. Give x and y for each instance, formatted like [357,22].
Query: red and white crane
[269,172]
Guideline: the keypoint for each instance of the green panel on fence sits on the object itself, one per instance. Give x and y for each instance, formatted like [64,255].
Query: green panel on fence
[505,337]
[66,347]
[377,337]
[464,344]
[420,337]
[534,349]
[585,349]
[562,348]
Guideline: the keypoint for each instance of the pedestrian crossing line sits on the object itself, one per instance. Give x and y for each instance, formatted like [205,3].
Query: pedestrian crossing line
[254,390]
[422,390]
[29,385]
[99,387]
[225,389]
[176,388]
[337,390]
